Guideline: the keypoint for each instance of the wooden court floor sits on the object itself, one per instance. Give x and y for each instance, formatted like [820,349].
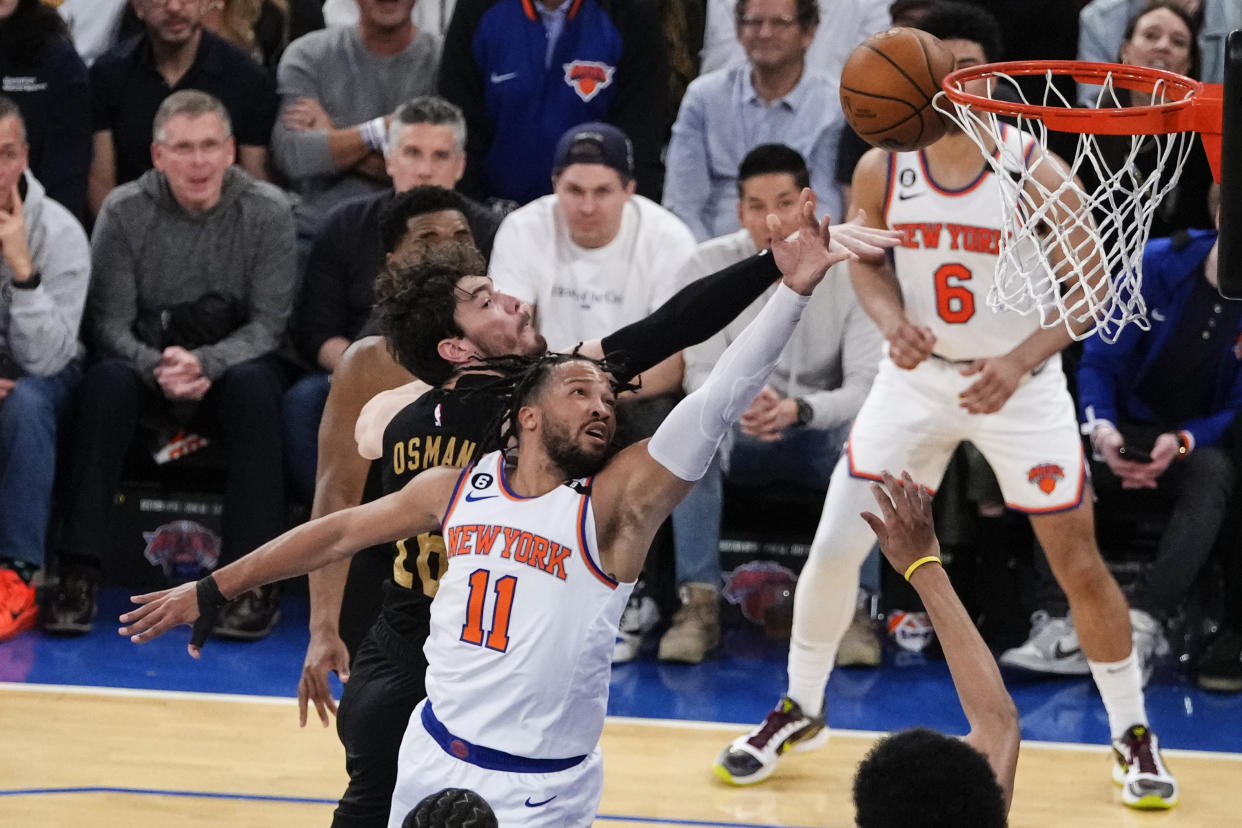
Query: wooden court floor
[104,758]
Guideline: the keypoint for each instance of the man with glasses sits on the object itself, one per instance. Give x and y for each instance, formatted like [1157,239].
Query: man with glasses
[192,284]
[773,97]
[174,52]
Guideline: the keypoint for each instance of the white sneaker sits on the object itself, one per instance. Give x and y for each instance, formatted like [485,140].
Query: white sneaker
[641,615]
[1052,648]
[1145,782]
[1149,641]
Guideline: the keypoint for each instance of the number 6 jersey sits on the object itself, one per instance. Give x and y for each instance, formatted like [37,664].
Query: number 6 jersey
[947,258]
[524,620]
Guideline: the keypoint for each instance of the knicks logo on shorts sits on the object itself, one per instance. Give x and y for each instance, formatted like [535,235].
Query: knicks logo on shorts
[1045,476]
[588,77]
[1237,348]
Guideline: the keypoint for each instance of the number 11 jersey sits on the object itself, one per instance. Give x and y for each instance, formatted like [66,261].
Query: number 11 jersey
[523,624]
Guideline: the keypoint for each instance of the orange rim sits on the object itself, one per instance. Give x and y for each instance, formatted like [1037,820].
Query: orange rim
[1197,108]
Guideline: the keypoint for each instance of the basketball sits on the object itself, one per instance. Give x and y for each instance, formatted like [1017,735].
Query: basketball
[887,87]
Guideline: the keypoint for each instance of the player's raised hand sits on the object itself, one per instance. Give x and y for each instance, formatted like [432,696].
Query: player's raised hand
[326,653]
[909,344]
[803,255]
[904,527]
[864,241]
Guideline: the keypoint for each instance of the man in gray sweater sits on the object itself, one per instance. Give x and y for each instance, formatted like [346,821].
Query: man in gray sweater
[338,89]
[794,430]
[44,269]
[193,284]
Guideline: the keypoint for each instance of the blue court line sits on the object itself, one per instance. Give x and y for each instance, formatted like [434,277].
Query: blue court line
[306,800]
[296,800]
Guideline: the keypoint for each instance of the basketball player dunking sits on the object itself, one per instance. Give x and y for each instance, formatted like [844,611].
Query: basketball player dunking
[957,371]
[541,560]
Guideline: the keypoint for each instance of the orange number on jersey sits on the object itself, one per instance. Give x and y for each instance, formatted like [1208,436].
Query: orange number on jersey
[472,632]
[954,301]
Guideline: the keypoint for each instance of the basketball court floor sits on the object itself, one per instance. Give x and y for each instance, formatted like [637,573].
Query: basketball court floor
[99,731]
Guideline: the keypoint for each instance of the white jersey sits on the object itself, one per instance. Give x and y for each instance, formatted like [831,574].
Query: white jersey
[946,261]
[522,627]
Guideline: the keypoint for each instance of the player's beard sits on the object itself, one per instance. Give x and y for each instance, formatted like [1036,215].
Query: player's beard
[568,454]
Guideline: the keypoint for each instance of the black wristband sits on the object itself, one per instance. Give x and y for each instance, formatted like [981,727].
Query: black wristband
[36,279]
[690,316]
[210,602]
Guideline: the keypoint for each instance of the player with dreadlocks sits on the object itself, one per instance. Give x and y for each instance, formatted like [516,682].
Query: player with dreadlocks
[541,557]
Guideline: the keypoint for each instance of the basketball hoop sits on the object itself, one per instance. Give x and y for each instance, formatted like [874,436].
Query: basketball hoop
[1092,234]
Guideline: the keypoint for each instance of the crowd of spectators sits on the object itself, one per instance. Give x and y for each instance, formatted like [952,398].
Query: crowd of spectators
[191,202]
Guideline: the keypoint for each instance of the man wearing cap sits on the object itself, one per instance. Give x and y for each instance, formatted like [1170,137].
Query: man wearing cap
[593,255]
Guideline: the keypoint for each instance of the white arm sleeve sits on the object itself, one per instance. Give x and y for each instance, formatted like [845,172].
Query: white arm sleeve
[686,440]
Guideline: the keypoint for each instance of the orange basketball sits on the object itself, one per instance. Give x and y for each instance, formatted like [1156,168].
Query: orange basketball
[887,87]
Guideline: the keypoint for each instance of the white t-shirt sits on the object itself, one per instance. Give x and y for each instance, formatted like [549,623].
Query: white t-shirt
[582,294]
[93,25]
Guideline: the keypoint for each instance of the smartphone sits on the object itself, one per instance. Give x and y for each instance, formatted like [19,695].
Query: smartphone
[1134,455]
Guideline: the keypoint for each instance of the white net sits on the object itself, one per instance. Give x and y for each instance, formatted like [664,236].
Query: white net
[1088,217]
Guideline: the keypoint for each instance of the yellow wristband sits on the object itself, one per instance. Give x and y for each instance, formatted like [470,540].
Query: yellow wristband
[920,562]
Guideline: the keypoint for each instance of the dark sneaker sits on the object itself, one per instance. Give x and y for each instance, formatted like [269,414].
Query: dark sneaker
[1145,782]
[250,616]
[753,757]
[74,603]
[1220,669]
[18,608]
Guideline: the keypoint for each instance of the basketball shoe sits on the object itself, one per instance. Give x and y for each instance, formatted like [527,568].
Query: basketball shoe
[752,758]
[1052,648]
[18,608]
[1145,782]
[1149,641]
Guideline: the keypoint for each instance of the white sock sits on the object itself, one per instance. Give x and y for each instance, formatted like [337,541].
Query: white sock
[1121,687]
[828,588]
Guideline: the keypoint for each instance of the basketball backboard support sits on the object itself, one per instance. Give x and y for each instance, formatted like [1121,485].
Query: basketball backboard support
[1229,262]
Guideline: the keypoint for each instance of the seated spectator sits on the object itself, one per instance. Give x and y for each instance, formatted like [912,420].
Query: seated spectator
[47,80]
[193,279]
[1161,36]
[44,269]
[172,53]
[432,17]
[593,256]
[1219,669]
[264,28]
[794,430]
[338,89]
[94,25]
[1156,405]
[846,24]
[1105,25]
[773,96]
[604,61]
[426,148]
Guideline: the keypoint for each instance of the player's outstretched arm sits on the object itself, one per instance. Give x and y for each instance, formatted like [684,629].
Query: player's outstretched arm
[908,540]
[874,281]
[365,370]
[411,511]
[640,487]
[706,305]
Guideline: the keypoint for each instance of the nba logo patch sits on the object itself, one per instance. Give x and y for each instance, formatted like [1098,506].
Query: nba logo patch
[1045,476]
[588,77]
